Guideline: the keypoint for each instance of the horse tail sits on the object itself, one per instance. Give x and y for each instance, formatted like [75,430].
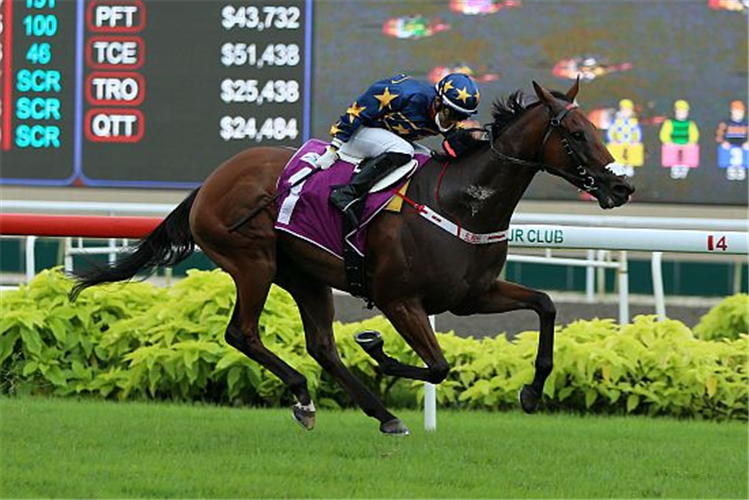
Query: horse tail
[169,244]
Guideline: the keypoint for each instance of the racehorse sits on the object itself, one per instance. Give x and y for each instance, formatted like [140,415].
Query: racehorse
[413,268]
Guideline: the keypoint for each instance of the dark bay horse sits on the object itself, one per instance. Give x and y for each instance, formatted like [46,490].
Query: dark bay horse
[413,268]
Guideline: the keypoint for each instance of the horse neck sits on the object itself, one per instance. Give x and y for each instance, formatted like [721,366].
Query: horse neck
[484,190]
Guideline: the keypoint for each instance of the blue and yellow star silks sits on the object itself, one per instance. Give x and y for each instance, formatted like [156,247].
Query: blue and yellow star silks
[399,104]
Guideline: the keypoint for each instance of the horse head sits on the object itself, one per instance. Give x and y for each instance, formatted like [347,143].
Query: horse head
[572,149]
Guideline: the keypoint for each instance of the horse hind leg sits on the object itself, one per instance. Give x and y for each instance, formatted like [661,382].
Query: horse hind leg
[315,301]
[253,280]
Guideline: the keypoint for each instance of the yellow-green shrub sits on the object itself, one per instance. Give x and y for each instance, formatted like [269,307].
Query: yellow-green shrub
[139,341]
[727,320]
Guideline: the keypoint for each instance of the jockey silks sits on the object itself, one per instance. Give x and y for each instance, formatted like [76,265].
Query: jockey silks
[399,104]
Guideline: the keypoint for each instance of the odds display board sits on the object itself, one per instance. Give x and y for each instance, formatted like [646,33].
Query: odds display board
[147,93]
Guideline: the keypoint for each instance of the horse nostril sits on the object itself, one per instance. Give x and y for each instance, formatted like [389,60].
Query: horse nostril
[624,189]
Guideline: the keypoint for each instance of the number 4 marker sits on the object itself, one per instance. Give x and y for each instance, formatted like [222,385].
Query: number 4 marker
[713,245]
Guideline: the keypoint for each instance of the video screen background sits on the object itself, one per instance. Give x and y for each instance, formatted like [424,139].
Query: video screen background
[692,50]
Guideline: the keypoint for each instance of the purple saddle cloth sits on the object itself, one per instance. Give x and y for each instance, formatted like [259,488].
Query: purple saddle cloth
[305,211]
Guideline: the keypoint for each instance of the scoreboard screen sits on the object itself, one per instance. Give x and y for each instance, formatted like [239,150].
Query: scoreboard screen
[147,93]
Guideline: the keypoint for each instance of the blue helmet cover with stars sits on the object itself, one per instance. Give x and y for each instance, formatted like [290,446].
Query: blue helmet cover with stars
[460,92]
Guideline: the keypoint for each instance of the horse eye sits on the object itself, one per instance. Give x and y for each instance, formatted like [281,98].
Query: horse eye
[578,136]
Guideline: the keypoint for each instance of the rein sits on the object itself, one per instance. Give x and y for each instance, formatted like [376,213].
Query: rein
[439,183]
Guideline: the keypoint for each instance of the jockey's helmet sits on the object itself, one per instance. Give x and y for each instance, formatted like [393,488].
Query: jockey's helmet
[459,92]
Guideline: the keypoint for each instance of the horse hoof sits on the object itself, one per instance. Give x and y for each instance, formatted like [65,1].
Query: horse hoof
[529,399]
[304,416]
[394,428]
[369,340]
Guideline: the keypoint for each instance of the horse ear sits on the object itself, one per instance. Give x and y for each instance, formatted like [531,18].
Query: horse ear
[542,93]
[572,92]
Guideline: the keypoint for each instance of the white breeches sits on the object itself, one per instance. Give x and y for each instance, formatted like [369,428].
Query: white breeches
[368,142]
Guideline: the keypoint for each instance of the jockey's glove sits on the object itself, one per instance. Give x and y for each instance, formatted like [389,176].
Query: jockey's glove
[328,158]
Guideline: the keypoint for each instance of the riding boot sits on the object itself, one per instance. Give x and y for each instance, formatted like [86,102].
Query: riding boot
[350,197]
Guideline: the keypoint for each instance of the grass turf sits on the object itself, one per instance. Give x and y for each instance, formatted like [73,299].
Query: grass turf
[91,449]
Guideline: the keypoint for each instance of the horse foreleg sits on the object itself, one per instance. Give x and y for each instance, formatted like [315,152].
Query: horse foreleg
[411,320]
[315,301]
[504,296]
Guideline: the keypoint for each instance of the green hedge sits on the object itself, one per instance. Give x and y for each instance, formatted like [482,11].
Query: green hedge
[140,341]
[728,320]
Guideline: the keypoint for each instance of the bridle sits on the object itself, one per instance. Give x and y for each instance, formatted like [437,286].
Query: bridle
[555,125]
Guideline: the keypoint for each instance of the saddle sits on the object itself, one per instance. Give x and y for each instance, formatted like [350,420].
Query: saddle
[403,172]
[305,212]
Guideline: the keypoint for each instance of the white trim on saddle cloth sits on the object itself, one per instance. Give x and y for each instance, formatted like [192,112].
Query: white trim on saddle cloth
[288,205]
[363,224]
[306,158]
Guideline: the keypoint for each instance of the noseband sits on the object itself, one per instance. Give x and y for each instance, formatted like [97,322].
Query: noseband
[555,124]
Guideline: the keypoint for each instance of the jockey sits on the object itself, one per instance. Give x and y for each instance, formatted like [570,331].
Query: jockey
[382,124]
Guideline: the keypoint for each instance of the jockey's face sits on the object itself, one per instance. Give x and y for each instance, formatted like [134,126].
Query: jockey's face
[446,117]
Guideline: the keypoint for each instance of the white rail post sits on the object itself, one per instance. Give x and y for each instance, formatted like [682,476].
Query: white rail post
[601,255]
[658,295]
[68,255]
[737,274]
[623,272]
[112,246]
[590,279]
[430,400]
[30,258]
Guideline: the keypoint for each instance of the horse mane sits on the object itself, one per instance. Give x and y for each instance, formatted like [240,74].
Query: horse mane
[503,114]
